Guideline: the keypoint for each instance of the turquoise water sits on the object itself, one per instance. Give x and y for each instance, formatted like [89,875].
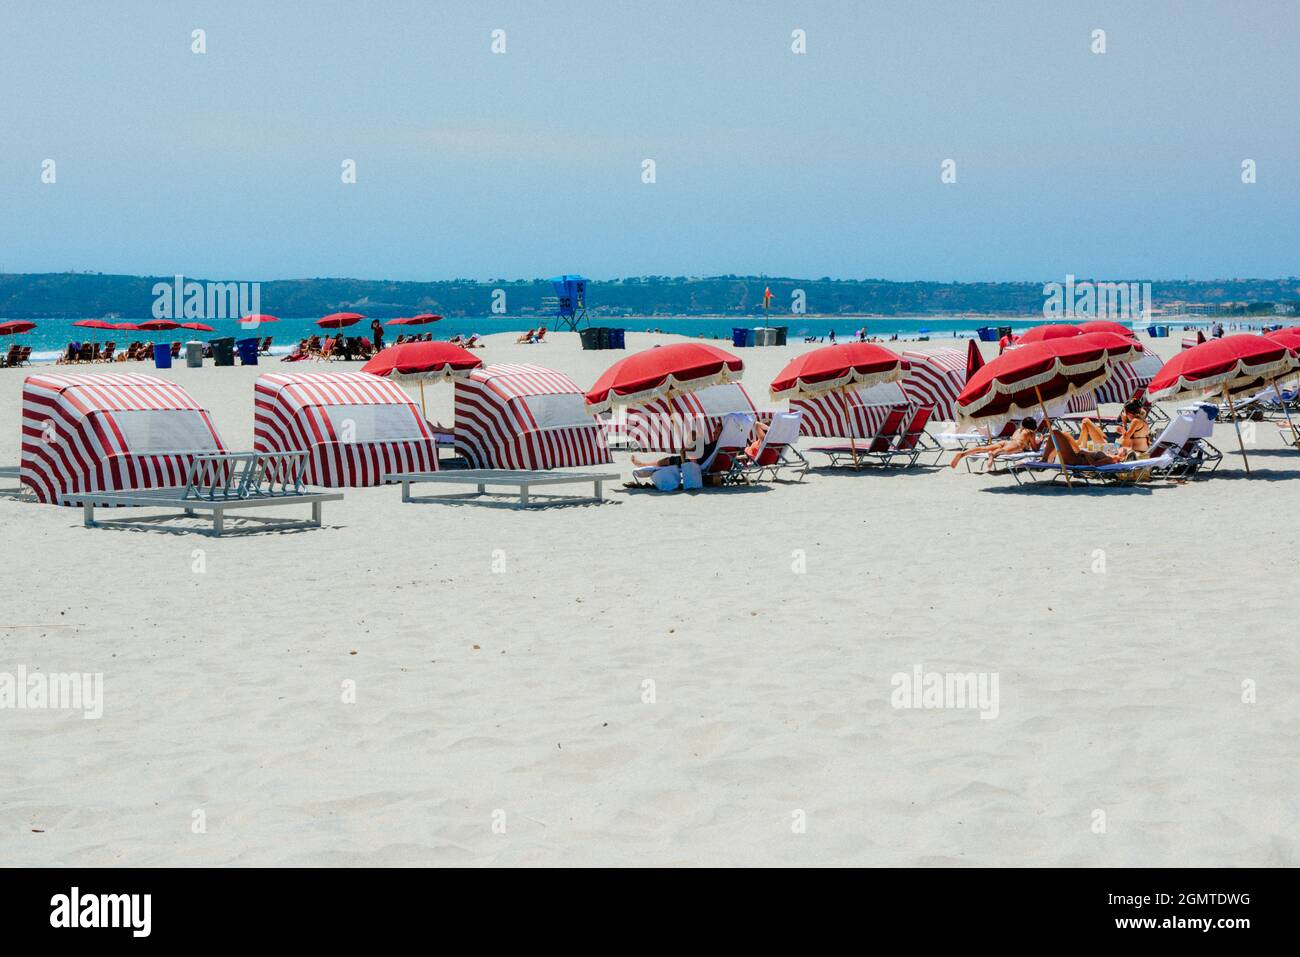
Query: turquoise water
[51,336]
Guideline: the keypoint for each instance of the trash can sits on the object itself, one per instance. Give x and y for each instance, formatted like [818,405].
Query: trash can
[194,355]
[162,355]
[781,333]
[602,337]
[617,338]
[223,351]
[765,336]
[1003,332]
[588,337]
[738,338]
[247,351]
[987,334]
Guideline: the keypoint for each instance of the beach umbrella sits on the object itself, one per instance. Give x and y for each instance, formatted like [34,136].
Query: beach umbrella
[14,327]
[337,320]
[1105,325]
[420,320]
[259,318]
[654,373]
[196,326]
[94,324]
[1046,333]
[1224,366]
[124,326]
[422,361]
[158,325]
[1118,348]
[974,359]
[1291,339]
[1025,379]
[840,369]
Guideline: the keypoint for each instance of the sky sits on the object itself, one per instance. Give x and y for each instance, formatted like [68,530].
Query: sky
[483,165]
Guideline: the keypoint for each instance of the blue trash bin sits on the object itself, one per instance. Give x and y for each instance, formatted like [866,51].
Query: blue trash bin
[617,339]
[987,334]
[247,349]
[162,355]
[738,337]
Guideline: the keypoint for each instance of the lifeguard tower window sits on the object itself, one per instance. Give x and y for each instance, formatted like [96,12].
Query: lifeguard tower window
[569,301]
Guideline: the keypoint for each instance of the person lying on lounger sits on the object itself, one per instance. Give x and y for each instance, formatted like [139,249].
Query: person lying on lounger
[527,336]
[1071,454]
[701,454]
[1024,439]
[1135,434]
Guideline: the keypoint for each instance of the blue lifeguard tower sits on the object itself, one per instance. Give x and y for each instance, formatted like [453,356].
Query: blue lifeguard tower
[569,301]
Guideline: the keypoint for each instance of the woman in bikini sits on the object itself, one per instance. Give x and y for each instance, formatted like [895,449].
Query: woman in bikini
[1025,439]
[1135,434]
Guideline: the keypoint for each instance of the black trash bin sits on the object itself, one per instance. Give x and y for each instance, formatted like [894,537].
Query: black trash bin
[588,337]
[602,337]
[223,351]
[781,332]
[1004,331]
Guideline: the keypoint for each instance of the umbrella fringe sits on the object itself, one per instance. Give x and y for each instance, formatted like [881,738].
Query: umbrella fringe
[1241,370]
[853,378]
[670,384]
[997,389]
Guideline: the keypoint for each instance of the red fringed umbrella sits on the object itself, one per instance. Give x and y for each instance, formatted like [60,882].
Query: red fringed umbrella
[158,325]
[1105,325]
[1048,332]
[839,368]
[15,327]
[196,326]
[94,324]
[422,361]
[337,320]
[1118,348]
[1023,380]
[1291,339]
[683,367]
[1223,365]
[419,320]
[254,320]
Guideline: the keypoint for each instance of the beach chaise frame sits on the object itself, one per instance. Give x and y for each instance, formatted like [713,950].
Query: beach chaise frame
[736,429]
[877,446]
[776,452]
[216,483]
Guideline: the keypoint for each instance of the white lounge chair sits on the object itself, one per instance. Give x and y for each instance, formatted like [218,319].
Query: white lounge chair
[732,439]
[775,453]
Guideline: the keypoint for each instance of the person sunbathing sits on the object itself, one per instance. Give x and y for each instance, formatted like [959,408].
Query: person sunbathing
[527,336]
[1024,439]
[1072,454]
[1135,434]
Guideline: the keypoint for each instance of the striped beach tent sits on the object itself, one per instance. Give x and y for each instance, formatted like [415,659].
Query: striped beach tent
[858,413]
[673,422]
[355,426]
[1127,379]
[516,416]
[936,378]
[109,432]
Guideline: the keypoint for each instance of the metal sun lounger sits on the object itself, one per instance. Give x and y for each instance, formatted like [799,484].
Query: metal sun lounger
[216,483]
[521,479]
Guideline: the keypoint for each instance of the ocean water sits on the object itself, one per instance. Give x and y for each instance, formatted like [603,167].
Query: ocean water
[51,336]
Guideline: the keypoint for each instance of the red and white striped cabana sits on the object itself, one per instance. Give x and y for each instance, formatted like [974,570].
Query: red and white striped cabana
[1127,380]
[355,426]
[936,378]
[858,413]
[109,432]
[670,423]
[525,417]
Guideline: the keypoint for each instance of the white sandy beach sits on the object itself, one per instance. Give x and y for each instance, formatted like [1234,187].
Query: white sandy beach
[522,691]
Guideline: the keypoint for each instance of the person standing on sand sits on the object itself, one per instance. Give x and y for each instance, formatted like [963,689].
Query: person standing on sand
[377,330]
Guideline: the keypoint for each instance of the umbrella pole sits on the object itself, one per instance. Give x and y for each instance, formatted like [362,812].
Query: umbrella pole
[1236,425]
[1047,420]
[1295,436]
[422,410]
[853,426]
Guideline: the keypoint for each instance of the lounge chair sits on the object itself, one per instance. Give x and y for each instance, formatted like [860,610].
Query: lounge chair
[216,483]
[1181,451]
[265,348]
[878,445]
[732,439]
[914,440]
[776,452]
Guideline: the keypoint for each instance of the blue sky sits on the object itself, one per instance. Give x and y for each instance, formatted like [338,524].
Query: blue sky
[528,163]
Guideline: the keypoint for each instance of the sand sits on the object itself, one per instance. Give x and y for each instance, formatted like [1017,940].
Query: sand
[502,716]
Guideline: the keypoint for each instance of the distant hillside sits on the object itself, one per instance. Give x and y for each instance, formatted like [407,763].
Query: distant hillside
[86,295]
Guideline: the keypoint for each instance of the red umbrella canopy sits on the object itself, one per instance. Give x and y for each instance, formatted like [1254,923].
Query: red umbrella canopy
[1105,325]
[852,365]
[337,320]
[196,326]
[1047,333]
[974,359]
[257,318]
[682,367]
[1233,362]
[1118,348]
[1017,382]
[15,326]
[94,324]
[124,326]
[1288,337]
[158,325]
[420,320]
[422,360]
